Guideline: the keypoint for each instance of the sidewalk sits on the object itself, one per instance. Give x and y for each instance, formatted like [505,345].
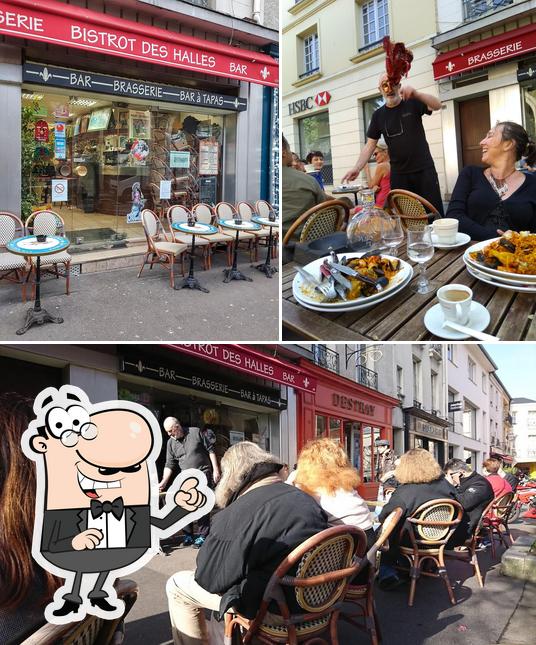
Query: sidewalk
[504,612]
[117,306]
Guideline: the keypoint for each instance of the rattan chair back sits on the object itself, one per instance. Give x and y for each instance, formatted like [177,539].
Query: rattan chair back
[319,221]
[246,210]
[435,521]
[263,208]
[224,210]
[204,213]
[414,211]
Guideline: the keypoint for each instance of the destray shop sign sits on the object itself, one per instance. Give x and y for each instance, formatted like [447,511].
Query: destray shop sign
[53,22]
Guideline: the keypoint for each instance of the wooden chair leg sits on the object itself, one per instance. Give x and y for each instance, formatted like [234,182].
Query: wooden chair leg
[143,263]
[171,273]
[333,627]
[442,570]
[414,574]
[476,568]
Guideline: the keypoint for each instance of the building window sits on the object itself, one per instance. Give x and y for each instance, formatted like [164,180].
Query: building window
[417,398]
[471,369]
[311,57]
[469,456]
[321,427]
[315,135]
[475,8]
[450,352]
[369,107]
[514,418]
[451,398]
[399,382]
[435,404]
[484,383]
[325,357]
[531,418]
[469,421]
[375,14]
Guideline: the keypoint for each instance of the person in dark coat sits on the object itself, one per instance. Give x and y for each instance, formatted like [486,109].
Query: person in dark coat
[474,494]
[421,480]
[258,526]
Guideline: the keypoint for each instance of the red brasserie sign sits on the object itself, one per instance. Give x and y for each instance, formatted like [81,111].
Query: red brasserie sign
[485,52]
[247,360]
[72,26]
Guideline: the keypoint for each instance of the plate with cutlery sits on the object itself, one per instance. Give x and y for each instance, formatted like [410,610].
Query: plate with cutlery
[349,282]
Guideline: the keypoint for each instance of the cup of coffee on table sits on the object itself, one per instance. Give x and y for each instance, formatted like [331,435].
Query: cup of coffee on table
[41,238]
[446,230]
[455,301]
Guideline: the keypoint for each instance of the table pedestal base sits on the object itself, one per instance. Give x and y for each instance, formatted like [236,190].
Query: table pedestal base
[190,283]
[235,274]
[38,317]
[267,269]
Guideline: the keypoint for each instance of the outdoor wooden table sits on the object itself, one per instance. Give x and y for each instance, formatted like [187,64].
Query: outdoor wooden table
[402,317]
[30,247]
[190,281]
[266,266]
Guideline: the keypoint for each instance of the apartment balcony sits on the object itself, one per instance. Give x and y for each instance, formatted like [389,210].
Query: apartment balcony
[417,404]
[477,8]
[366,377]
[326,358]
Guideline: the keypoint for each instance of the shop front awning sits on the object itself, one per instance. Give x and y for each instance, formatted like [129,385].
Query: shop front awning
[69,26]
[511,44]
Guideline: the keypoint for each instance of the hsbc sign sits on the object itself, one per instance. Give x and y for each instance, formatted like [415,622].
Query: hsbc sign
[321,99]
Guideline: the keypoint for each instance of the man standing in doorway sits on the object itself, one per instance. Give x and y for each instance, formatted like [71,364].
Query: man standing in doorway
[400,123]
[190,448]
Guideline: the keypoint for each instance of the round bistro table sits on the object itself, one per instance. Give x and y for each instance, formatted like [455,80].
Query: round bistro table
[266,266]
[191,282]
[348,190]
[30,247]
[233,273]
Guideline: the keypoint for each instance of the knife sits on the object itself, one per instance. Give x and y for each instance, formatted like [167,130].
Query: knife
[380,283]
[337,276]
[470,332]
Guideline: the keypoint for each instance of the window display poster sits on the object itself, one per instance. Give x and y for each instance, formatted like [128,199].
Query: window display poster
[99,119]
[60,148]
[140,124]
[235,437]
[60,190]
[165,189]
[208,157]
[179,159]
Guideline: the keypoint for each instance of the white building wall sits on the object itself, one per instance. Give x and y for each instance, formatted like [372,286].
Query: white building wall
[525,431]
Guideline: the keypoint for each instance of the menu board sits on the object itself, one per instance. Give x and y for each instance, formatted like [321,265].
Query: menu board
[208,157]
[207,190]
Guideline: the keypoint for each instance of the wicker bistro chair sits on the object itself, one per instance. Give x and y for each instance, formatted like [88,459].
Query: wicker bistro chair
[224,210]
[49,223]
[12,267]
[497,518]
[264,208]
[205,214]
[246,210]
[429,530]
[320,220]
[91,630]
[414,211]
[179,213]
[361,596]
[324,564]
[159,249]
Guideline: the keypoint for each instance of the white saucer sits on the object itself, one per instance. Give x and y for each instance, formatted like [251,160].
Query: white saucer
[461,240]
[478,320]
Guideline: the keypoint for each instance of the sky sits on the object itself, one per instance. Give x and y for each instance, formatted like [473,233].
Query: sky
[516,367]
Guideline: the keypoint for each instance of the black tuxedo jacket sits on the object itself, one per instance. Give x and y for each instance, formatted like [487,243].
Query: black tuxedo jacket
[61,526]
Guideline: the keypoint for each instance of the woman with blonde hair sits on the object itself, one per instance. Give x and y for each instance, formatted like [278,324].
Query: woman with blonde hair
[262,520]
[421,480]
[324,472]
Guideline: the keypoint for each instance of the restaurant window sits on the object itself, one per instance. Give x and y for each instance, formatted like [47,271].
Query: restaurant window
[335,429]
[369,107]
[375,17]
[321,427]
[111,159]
[311,54]
[469,421]
[370,454]
[315,135]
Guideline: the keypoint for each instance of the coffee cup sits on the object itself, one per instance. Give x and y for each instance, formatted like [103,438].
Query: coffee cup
[455,301]
[446,230]
[41,238]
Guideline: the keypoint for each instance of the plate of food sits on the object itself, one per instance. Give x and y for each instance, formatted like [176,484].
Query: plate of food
[363,281]
[512,256]
[510,285]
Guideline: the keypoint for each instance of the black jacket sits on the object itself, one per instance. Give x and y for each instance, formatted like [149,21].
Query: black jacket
[474,494]
[410,496]
[249,539]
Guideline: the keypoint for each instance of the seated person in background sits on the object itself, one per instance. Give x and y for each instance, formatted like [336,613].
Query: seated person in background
[316,159]
[324,472]
[474,494]
[297,163]
[25,588]
[491,469]
[262,520]
[380,182]
[510,477]
[421,480]
[489,201]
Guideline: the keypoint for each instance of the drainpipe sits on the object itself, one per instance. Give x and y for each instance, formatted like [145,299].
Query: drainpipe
[257,11]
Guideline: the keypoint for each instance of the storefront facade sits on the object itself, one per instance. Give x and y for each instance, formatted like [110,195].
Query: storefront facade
[131,108]
[490,79]
[349,413]
[428,431]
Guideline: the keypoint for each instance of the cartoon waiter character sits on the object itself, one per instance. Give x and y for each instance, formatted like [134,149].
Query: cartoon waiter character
[97,513]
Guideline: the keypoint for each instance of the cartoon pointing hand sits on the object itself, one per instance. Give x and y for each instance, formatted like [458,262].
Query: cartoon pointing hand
[88,539]
[188,496]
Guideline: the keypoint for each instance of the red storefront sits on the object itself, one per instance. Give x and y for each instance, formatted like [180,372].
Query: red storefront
[347,412]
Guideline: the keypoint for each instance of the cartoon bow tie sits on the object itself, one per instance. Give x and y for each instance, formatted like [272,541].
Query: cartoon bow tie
[98,508]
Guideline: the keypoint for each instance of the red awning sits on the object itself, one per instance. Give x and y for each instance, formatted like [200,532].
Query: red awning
[484,52]
[71,26]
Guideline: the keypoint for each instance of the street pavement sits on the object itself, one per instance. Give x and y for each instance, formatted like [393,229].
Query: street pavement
[503,612]
[116,306]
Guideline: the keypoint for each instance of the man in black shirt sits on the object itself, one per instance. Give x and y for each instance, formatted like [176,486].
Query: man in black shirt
[400,123]
[190,448]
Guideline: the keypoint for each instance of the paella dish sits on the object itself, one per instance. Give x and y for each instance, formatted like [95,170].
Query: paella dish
[353,278]
[511,253]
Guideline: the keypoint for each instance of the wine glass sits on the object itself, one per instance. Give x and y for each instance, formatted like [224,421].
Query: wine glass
[420,250]
[392,233]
